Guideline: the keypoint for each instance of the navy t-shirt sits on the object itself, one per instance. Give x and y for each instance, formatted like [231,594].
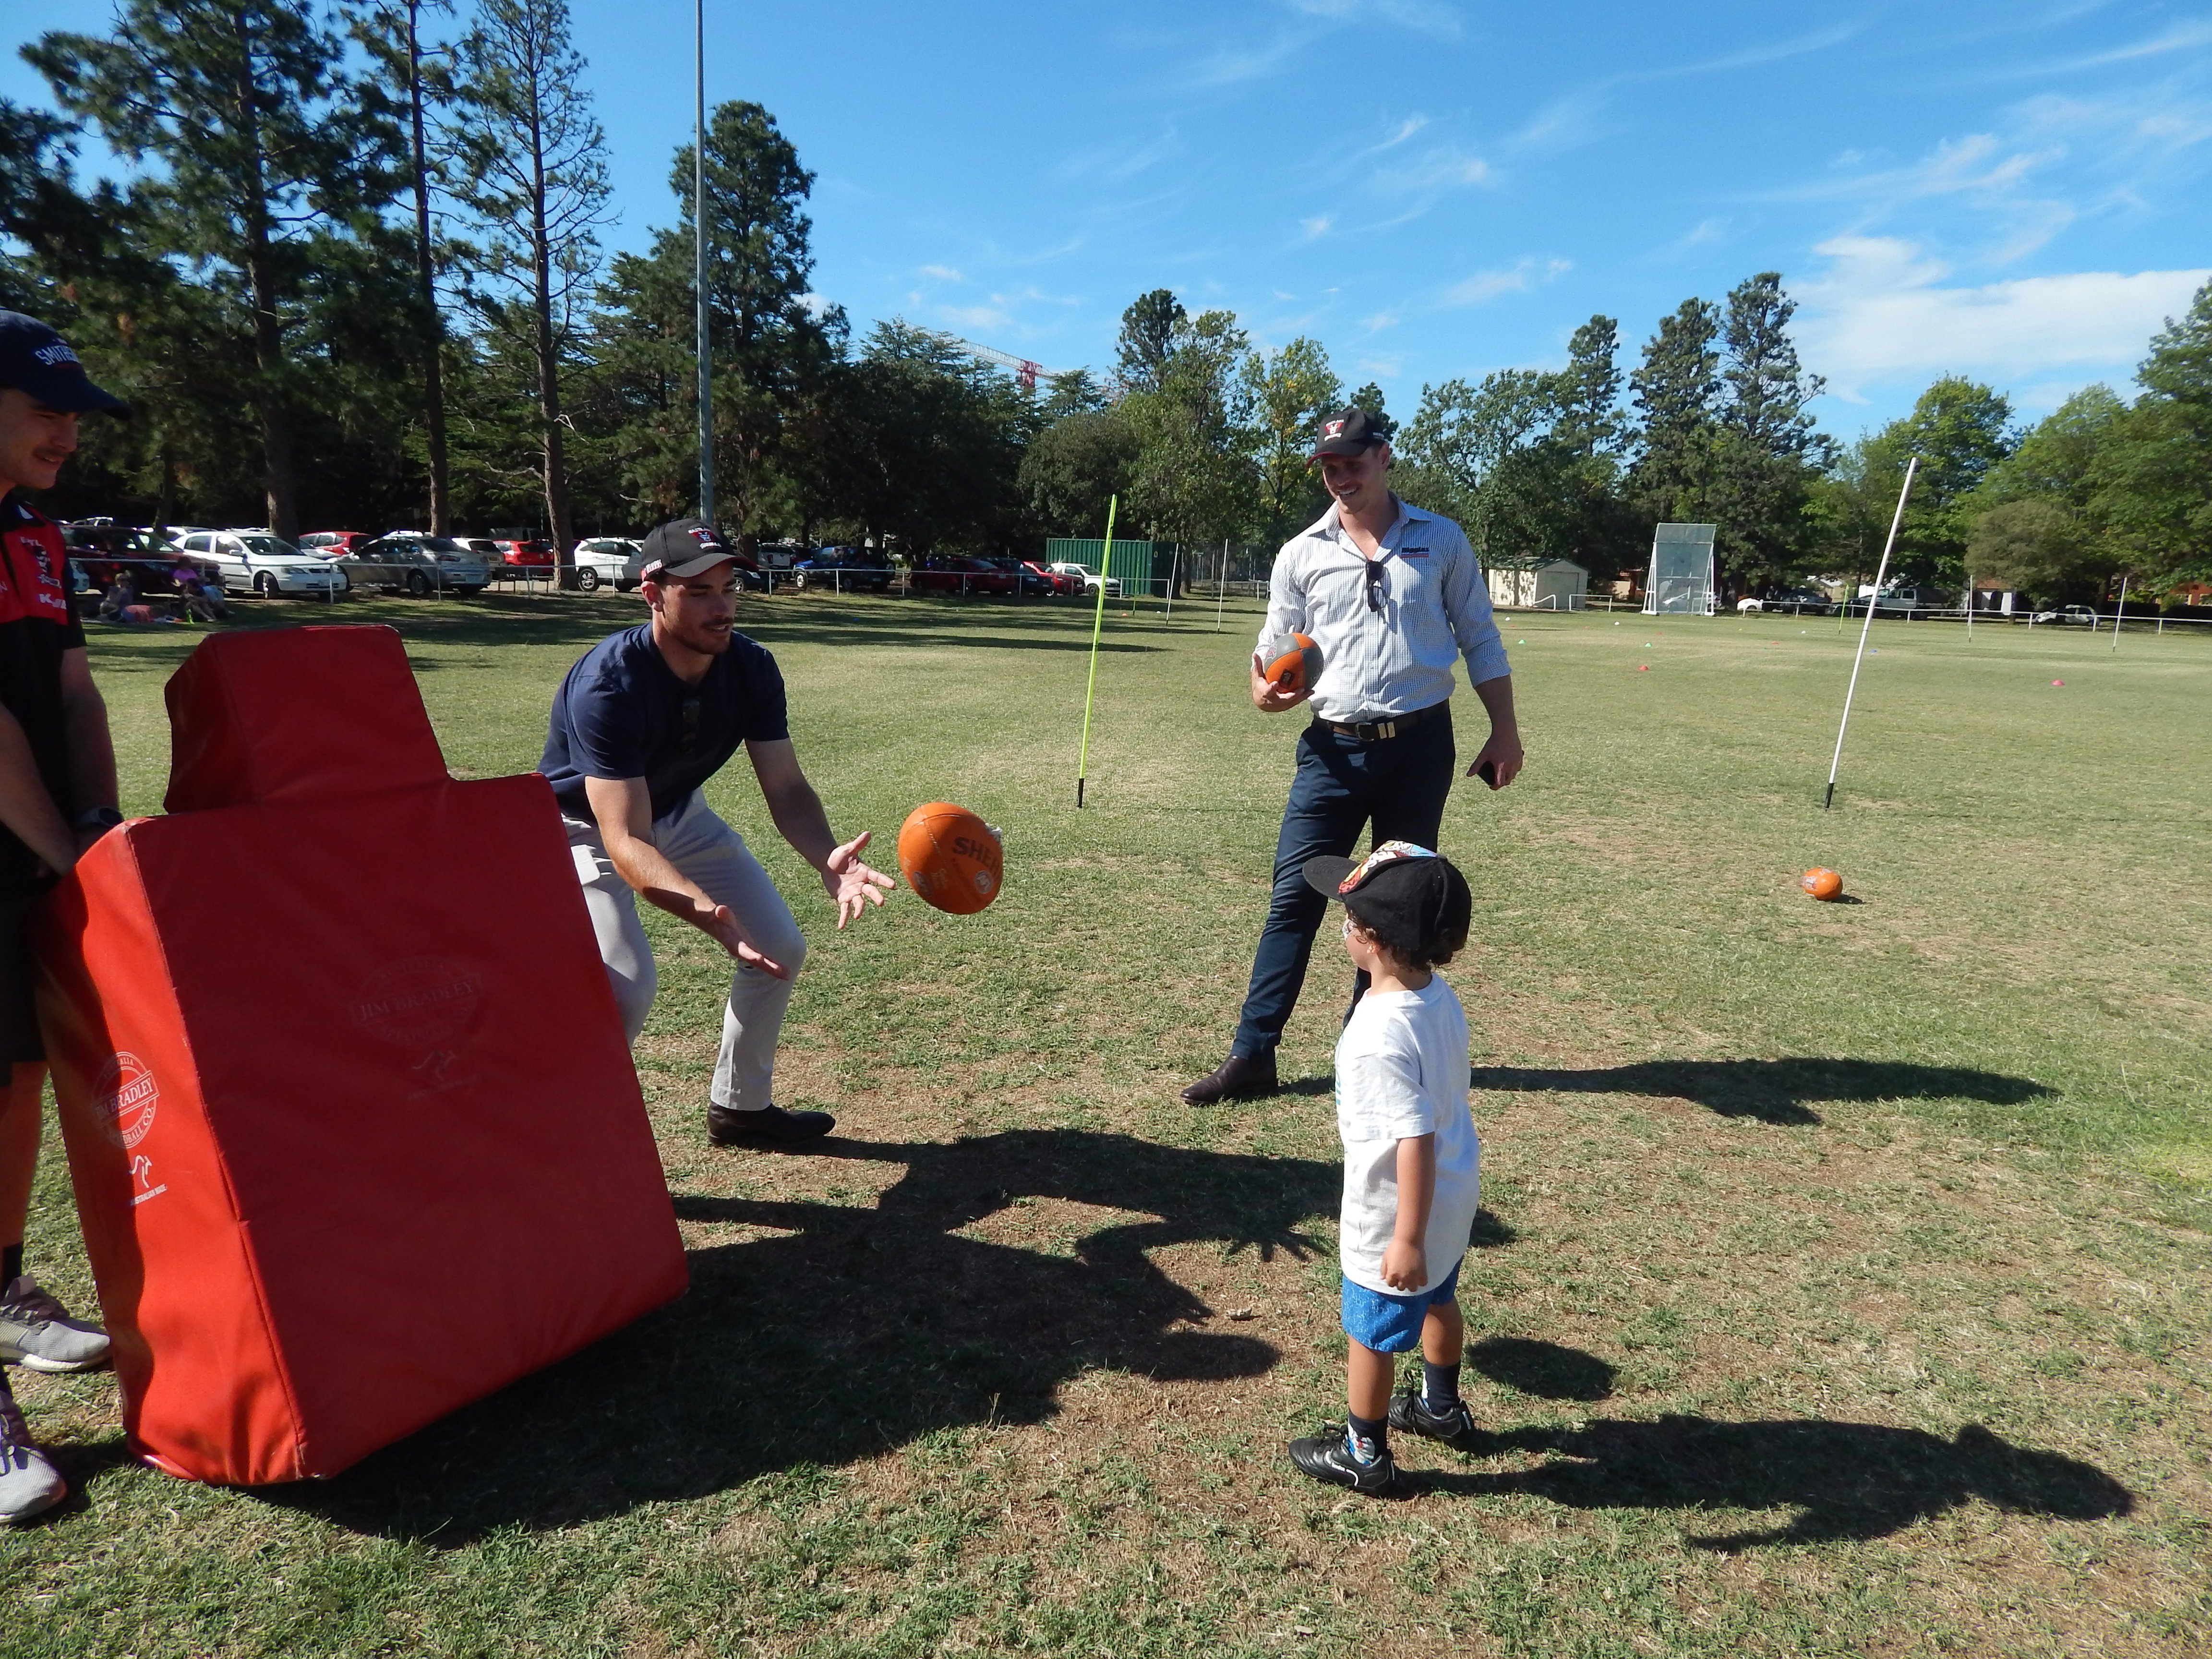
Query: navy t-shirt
[621,713]
[38,624]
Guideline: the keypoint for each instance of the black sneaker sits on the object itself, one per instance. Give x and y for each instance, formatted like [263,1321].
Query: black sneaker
[1326,1457]
[1410,1413]
[769,1126]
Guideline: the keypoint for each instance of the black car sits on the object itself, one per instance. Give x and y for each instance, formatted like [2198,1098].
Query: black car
[844,570]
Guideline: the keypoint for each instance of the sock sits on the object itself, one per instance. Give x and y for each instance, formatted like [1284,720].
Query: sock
[11,1264]
[1367,1438]
[1439,1386]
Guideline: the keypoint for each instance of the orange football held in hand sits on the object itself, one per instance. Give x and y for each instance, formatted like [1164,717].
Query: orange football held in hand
[1821,883]
[1297,668]
[950,857]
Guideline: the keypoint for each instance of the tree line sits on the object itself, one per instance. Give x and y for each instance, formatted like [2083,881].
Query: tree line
[357,279]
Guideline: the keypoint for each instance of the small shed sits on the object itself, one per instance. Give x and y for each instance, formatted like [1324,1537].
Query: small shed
[1533,584]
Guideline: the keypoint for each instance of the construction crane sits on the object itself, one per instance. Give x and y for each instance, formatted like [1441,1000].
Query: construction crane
[1023,369]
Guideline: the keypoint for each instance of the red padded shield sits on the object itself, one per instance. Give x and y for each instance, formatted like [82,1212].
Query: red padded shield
[353,1129]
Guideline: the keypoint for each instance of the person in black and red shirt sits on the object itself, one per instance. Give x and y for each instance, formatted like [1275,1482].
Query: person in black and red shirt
[57,798]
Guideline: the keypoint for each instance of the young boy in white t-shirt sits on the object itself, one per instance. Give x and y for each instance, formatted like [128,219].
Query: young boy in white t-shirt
[1410,1160]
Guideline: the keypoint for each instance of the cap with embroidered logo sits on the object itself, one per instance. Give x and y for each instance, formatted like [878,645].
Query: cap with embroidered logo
[1413,899]
[1350,432]
[682,549]
[36,360]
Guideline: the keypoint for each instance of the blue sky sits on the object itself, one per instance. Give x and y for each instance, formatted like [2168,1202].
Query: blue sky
[1433,188]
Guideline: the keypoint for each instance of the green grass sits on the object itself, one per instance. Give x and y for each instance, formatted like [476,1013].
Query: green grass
[1842,1288]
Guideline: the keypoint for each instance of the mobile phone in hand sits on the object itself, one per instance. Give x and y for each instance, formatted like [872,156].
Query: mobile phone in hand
[1487,771]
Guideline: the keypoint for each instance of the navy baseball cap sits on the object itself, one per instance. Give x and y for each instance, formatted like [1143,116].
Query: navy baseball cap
[36,360]
[682,548]
[1349,432]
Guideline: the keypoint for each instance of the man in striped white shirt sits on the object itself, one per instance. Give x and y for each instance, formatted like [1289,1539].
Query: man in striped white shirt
[1393,596]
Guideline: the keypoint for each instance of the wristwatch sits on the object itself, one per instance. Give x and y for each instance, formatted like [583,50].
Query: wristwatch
[97,818]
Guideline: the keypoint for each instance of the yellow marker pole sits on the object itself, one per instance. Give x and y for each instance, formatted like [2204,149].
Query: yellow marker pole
[1097,625]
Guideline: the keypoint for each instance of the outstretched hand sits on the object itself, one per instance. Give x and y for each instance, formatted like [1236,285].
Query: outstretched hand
[850,882]
[723,925]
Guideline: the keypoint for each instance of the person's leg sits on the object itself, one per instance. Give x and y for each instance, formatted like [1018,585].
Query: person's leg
[1413,780]
[1329,803]
[1377,1327]
[19,1161]
[1368,1379]
[708,850]
[1444,1340]
[612,907]
[1435,1410]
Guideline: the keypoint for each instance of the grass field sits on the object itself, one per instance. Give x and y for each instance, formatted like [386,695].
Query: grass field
[1841,1289]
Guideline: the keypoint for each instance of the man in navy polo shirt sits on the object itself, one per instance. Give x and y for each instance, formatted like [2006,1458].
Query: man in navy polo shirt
[1394,597]
[642,721]
[57,798]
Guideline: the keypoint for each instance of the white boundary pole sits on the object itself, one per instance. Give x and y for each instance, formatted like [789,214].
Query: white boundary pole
[2120,612]
[1867,628]
[1221,594]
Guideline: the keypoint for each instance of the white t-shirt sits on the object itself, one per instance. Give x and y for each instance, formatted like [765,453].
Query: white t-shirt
[1401,1071]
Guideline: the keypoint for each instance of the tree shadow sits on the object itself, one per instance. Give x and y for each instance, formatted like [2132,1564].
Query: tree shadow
[1845,1480]
[1545,1370]
[851,1331]
[1772,1090]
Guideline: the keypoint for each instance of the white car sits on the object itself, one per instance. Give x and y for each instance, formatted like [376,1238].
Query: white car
[609,559]
[1090,578]
[255,561]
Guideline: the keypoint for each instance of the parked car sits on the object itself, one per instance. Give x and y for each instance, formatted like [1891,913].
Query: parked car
[1062,583]
[844,570]
[529,555]
[332,543]
[2081,615]
[780,560]
[1087,576]
[1796,601]
[254,562]
[410,561]
[609,559]
[101,548]
[1032,579]
[960,574]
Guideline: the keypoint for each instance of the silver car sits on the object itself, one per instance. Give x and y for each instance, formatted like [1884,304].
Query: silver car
[410,561]
[255,561]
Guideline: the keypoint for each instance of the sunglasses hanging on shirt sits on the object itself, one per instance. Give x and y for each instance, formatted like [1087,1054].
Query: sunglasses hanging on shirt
[1373,574]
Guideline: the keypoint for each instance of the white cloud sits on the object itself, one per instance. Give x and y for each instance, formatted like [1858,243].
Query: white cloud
[1315,227]
[1882,312]
[943,273]
[1444,168]
[984,317]
[1524,274]
[1427,17]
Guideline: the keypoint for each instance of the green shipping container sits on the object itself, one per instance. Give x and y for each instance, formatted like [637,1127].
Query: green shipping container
[1132,560]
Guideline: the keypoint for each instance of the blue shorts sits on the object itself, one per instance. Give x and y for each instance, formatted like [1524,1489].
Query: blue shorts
[1391,1324]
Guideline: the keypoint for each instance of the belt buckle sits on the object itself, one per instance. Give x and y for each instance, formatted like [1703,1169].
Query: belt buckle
[1387,729]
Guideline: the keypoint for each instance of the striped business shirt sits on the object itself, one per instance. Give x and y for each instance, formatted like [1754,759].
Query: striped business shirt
[1435,608]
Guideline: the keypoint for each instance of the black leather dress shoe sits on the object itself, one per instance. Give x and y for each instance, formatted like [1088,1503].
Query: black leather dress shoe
[769,1126]
[1240,1077]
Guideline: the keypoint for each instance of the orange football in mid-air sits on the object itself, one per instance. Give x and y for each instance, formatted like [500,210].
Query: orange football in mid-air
[1297,668]
[1822,884]
[950,857]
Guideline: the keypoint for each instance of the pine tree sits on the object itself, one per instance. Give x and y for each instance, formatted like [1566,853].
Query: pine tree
[1147,341]
[260,156]
[524,154]
[1677,390]
[1766,454]
[1589,389]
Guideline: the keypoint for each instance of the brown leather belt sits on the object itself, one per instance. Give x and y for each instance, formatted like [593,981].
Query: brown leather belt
[1396,725]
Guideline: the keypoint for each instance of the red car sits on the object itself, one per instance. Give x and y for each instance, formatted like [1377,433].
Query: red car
[332,543]
[526,553]
[961,576]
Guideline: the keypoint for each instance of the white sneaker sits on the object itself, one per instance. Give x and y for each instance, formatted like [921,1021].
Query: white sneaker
[29,1485]
[37,1332]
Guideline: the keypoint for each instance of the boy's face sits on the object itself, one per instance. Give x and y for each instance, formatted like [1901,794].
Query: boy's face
[1365,950]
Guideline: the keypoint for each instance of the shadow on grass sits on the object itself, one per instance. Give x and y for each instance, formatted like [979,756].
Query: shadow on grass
[1772,1091]
[853,1331]
[1542,1369]
[1846,1480]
